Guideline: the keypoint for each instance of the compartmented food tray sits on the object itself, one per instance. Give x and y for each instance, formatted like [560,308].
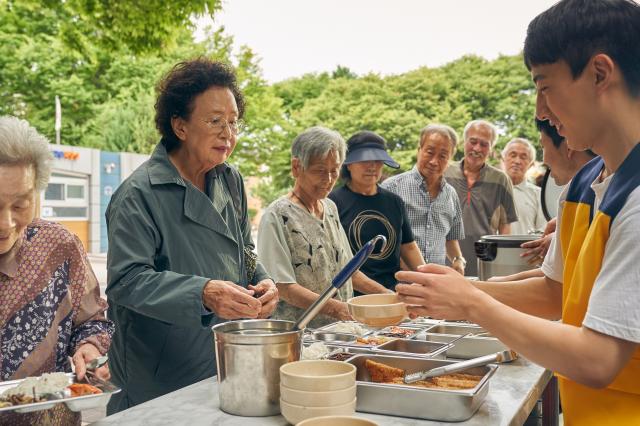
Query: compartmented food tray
[422,403]
[401,331]
[349,327]
[468,347]
[413,348]
[77,403]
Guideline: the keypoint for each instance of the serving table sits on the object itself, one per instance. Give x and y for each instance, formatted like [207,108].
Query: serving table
[513,393]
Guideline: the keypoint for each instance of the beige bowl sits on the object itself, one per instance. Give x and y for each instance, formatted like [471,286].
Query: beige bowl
[377,310]
[317,399]
[318,375]
[337,420]
[297,413]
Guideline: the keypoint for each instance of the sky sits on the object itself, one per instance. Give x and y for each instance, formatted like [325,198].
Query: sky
[293,37]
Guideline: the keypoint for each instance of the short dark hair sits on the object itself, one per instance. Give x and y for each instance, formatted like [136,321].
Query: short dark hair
[182,84]
[359,138]
[575,30]
[549,130]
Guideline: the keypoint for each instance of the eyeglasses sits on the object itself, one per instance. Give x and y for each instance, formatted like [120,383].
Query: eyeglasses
[219,124]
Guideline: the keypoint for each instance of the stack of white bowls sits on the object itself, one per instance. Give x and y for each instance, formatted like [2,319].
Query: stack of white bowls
[317,388]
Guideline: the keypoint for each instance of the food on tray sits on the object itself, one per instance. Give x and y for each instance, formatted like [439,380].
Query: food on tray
[373,340]
[395,331]
[317,350]
[349,327]
[80,389]
[48,387]
[48,383]
[382,373]
[340,356]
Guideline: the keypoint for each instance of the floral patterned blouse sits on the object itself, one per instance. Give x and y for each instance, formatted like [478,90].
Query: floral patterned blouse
[49,305]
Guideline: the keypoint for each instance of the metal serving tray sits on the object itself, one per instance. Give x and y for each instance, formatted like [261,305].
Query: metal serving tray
[386,332]
[351,350]
[412,348]
[77,403]
[468,347]
[331,338]
[334,327]
[406,401]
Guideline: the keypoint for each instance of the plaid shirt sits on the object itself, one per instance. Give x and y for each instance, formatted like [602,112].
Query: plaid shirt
[433,221]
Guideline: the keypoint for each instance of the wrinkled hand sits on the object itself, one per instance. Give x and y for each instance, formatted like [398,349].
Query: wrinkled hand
[85,353]
[230,301]
[536,250]
[343,312]
[267,293]
[436,291]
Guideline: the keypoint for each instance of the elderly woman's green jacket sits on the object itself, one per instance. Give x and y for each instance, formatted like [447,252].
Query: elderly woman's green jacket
[166,240]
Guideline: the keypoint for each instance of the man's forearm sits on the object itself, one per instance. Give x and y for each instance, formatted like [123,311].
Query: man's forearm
[539,296]
[581,354]
[366,285]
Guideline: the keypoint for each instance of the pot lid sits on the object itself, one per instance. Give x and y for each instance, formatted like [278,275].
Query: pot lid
[509,240]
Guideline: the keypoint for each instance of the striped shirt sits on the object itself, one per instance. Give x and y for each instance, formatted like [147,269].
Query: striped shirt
[433,220]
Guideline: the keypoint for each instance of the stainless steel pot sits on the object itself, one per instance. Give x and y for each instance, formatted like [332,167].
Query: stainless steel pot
[500,255]
[249,354]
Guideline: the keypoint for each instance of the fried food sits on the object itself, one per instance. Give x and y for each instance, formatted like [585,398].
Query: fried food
[382,373]
[80,389]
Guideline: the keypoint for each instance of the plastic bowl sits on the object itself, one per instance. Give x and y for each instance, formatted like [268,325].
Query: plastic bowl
[377,310]
[318,375]
[317,399]
[296,413]
[337,420]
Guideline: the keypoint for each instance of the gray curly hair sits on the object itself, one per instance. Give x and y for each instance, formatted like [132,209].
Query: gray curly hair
[20,143]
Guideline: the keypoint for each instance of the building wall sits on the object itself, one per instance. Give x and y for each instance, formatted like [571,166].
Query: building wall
[103,172]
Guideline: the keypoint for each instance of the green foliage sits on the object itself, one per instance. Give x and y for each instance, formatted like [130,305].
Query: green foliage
[104,58]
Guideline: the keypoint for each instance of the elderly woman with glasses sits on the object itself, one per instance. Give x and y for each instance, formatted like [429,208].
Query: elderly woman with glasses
[301,241]
[50,305]
[180,250]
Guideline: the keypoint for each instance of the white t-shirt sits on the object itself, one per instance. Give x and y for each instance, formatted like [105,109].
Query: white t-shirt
[614,304]
[526,197]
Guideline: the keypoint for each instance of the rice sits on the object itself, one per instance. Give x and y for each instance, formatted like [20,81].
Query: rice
[316,350]
[349,327]
[47,383]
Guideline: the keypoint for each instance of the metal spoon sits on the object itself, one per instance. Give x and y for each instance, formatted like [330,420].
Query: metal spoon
[96,363]
[503,356]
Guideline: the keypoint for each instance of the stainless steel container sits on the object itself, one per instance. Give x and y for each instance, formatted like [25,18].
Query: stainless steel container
[499,255]
[407,401]
[467,347]
[249,354]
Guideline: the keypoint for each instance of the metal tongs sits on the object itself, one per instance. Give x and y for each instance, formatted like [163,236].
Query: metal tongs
[499,357]
[349,269]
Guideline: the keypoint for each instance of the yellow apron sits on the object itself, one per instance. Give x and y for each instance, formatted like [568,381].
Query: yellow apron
[583,238]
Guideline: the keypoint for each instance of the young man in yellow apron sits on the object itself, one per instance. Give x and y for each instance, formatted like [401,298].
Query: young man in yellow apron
[584,57]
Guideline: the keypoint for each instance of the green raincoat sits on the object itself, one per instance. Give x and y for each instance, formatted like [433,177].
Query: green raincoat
[166,240]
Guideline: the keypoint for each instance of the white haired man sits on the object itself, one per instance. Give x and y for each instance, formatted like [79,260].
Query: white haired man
[485,193]
[518,156]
